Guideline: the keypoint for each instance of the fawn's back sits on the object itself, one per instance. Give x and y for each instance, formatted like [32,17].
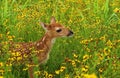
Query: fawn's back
[41,48]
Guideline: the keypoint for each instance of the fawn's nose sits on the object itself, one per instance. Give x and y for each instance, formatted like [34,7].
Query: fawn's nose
[70,33]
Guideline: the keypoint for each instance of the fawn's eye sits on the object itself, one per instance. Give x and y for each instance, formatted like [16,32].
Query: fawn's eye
[59,30]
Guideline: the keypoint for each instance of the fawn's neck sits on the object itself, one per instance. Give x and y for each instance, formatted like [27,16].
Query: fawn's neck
[45,43]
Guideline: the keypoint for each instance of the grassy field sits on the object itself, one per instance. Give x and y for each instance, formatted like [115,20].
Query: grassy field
[93,51]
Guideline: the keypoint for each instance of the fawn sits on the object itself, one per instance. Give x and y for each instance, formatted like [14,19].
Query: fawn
[40,48]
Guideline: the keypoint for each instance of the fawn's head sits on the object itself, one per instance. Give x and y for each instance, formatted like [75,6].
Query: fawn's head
[55,29]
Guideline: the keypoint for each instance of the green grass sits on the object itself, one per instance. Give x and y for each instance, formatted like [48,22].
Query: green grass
[93,51]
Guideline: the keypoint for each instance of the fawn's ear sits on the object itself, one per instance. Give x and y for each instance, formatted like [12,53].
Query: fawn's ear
[43,25]
[52,20]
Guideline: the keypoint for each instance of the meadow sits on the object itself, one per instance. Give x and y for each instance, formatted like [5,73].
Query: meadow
[93,51]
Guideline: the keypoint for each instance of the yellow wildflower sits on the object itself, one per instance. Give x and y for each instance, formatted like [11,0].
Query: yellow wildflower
[10,37]
[84,42]
[8,64]
[37,72]
[116,10]
[5,42]
[50,76]
[1,64]
[1,71]
[25,55]
[103,38]
[100,56]
[19,58]
[16,53]
[106,51]
[109,44]
[17,46]
[30,65]
[13,53]
[24,69]
[85,69]
[92,76]
[77,77]
[57,72]
[89,76]
[85,57]
[75,56]
[11,59]
[46,74]
[73,63]
[1,77]
[62,68]
[77,60]
[100,70]
[8,32]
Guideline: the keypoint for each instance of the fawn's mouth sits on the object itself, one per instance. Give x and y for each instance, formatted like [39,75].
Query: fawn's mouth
[70,33]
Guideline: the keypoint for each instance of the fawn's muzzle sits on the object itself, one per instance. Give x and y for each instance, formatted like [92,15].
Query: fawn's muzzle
[70,33]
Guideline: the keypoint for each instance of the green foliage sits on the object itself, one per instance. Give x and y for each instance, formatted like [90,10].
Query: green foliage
[92,52]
